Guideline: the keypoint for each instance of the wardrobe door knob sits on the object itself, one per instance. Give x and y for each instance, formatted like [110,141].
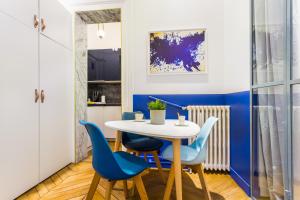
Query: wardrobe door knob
[37,96]
[42,96]
[43,24]
[36,21]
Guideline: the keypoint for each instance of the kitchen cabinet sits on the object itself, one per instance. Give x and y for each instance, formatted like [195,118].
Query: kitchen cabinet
[100,114]
[111,113]
[37,101]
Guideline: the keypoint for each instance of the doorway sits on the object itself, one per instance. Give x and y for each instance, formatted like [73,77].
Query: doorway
[98,72]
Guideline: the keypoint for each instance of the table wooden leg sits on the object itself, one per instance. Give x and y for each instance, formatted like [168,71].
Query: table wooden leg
[158,164]
[177,168]
[118,141]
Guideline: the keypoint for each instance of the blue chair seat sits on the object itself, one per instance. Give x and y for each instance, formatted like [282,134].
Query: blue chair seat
[143,144]
[112,166]
[188,154]
[131,165]
[194,153]
[108,164]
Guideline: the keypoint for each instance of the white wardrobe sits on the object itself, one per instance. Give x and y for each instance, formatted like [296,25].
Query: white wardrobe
[36,93]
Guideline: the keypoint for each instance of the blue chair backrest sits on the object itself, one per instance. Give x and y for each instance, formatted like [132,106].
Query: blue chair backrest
[205,130]
[104,161]
[126,137]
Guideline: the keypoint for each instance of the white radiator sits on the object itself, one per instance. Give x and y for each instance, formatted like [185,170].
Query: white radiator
[218,145]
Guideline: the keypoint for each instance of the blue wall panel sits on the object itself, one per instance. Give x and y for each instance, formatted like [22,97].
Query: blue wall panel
[239,125]
[140,102]
[240,138]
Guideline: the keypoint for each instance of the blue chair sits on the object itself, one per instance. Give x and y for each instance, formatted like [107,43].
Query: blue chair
[192,156]
[113,166]
[142,144]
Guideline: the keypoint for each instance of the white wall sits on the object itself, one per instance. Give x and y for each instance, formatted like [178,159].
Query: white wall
[237,47]
[167,15]
[112,37]
[227,24]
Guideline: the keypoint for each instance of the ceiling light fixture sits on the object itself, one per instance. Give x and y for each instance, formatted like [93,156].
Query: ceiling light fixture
[100,32]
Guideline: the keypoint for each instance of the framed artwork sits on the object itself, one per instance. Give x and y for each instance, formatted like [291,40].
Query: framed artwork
[177,52]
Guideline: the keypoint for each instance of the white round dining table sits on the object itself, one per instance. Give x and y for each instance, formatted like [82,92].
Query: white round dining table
[169,131]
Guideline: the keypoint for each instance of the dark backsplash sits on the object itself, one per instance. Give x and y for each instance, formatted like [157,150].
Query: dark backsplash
[111,91]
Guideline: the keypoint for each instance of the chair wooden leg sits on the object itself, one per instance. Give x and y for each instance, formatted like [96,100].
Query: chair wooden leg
[170,183]
[132,189]
[137,153]
[140,187]
[93,186]
[108,190]
[199,169]
[157,161]
[125,188]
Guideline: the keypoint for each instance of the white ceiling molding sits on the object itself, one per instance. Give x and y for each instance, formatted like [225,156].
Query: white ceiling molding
[72,3]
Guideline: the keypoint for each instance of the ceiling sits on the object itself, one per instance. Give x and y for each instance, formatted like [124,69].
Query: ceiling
[100,16]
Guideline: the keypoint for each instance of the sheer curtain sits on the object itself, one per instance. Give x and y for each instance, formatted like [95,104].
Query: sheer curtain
[269,51]
[296,39]
[296,98]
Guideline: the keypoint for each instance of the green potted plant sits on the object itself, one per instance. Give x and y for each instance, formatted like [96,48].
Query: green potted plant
[157,112]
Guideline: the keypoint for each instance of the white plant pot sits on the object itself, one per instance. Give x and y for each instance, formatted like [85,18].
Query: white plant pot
[157,116]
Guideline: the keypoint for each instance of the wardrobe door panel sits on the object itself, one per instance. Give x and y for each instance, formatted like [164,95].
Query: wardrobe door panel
[58,22]
[19,139]
[22,10]
[56,111]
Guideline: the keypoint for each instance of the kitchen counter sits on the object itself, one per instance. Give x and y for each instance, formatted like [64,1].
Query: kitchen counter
[105,104]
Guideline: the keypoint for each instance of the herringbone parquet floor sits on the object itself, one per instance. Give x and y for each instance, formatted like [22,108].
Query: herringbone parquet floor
[72,183]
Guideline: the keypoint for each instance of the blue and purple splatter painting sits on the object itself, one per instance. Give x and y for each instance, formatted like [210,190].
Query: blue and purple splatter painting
[178,52]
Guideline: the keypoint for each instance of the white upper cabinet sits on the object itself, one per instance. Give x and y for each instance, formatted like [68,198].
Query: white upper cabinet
[57,109]
[19,113]
[22,10]
[56,23]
